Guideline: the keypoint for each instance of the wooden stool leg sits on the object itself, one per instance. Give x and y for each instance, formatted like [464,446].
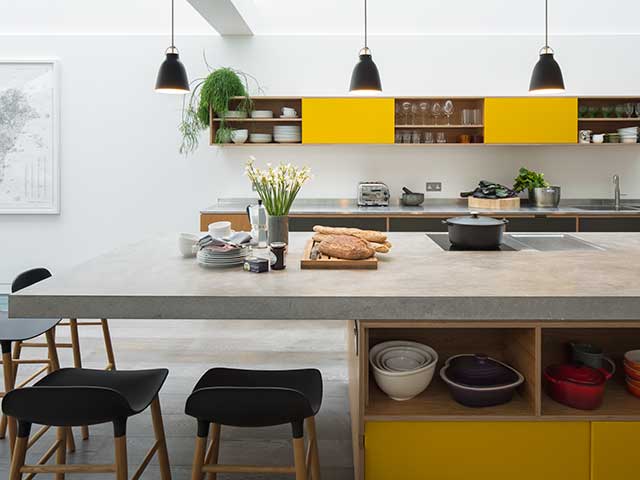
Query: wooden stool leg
[313,448]
[61,453]
[20,452]
[299,460]
[3,426]
[9,384]
[199,451]
[108,345]
[77,360]
[122,472]
[214,449]
[158,428]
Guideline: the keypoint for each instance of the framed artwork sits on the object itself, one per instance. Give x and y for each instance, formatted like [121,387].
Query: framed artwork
[29,137]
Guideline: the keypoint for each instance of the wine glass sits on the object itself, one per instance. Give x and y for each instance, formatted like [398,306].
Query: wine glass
[638,110]
[436,111]
[628,109]
[582,110]
[406,108]
[619,110]
[414,110]
[424,106]
[448,110]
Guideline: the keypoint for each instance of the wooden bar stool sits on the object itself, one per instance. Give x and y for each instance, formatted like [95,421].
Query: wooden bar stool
[28,278]
[71,397]
[256,398]
[19,329]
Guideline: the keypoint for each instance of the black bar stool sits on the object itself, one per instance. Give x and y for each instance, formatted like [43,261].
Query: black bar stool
[31,277]
[19,329]
[71,397]
[256,398]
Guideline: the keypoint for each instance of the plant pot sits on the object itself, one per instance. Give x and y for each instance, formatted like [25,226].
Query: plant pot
[279,229]
[546,197]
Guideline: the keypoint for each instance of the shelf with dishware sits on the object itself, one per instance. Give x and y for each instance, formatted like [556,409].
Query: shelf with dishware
[265,121]
[534,422]
[603,120]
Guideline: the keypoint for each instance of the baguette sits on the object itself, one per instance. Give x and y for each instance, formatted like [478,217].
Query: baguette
[346,247]
[378,247]
[368,235]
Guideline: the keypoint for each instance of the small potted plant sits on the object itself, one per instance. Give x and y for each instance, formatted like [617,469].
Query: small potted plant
[213,93]
[541,194]
[277,188]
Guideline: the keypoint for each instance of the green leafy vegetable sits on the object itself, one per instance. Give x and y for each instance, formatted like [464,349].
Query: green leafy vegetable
[528,180]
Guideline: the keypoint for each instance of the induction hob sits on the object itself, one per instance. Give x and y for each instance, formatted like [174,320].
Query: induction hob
[442,240]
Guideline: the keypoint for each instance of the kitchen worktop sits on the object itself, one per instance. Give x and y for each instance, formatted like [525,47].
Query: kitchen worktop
[417,280]
[349,206]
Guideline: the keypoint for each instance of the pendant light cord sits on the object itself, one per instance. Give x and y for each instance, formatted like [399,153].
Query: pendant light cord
[365,24]
[546,24]
[172,14]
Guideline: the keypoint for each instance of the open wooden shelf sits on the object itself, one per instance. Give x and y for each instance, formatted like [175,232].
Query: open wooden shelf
[436,403]
[258,120]
[408,127]
[622,119]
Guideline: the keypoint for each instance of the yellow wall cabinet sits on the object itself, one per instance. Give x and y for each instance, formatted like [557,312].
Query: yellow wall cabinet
[531,120]
[348,120]
[478,451]
[614,450]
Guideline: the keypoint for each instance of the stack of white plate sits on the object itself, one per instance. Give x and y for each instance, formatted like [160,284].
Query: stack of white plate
[235,114]
[287,133]
[220,257]
[628,134]
[260,138]
[403,369]
[261,114]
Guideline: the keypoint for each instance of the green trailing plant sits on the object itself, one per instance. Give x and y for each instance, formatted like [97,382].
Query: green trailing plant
[528,180]
[212,94]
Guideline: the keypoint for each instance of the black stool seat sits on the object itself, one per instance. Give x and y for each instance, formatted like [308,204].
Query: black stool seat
[18,329]
[256,398]
[77,396]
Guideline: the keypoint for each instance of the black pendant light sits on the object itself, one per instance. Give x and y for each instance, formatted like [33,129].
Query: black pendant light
[365,78]
[546,76]
[172,76]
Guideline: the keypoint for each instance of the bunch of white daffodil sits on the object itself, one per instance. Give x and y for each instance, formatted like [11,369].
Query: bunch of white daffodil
[277,187]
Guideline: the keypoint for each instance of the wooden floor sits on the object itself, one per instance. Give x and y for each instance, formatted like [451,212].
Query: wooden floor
[188,348]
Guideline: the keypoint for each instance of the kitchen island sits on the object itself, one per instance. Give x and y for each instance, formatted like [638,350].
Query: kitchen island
[520,306]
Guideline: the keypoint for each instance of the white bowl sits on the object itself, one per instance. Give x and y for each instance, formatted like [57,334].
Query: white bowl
[187,243]
[403,386]
[403,352]
[261,114]
[234,114]
[633,139]
[239,136]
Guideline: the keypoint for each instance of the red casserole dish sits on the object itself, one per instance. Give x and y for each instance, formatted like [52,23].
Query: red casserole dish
[577,386]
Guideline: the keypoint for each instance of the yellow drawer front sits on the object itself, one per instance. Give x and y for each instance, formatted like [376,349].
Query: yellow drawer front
[347,120]
[614,450]
[477,450]
[531,120]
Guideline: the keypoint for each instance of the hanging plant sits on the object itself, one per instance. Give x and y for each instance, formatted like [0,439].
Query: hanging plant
[213,93]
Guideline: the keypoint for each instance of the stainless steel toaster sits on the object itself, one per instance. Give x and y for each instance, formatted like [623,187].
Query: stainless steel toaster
[373,194]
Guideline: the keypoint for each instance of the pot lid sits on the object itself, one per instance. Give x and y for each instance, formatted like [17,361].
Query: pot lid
[581,374]
[475,219]
[480,370]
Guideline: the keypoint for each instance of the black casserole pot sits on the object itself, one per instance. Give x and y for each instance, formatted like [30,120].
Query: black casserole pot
[474,232]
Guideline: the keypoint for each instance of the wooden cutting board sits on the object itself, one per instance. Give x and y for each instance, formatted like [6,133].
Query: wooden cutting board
[329,263]
[494,204]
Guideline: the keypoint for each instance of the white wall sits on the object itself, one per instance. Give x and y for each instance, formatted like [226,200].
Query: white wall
[123,179]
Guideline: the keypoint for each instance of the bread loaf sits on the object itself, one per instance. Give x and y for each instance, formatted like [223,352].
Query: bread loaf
[378,247]
[368,235]
[346,247]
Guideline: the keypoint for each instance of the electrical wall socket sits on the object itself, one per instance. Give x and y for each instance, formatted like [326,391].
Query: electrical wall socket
[434,186]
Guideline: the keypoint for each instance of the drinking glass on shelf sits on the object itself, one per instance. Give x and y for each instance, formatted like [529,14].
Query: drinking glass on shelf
[424,106]
[398,138]
[441,137]
[406,108]
[415,137]
[448,110]
[477,116]
[406,136]
[398,113]
[428,137]
[620,110]
[638,110]
[467,116]
[628,109]
[436,111]
[594,111]
[582,111]
[414,110]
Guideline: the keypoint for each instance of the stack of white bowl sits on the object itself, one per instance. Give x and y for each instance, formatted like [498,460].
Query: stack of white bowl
[261,114]
[287,133]
[260,138]
[628,134]
[403,369]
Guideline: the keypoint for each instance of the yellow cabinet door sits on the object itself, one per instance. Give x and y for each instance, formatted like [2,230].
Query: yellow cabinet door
[614,450]
[531,120]
[477,450]
[348,120]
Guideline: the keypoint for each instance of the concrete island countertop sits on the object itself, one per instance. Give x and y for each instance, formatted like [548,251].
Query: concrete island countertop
[444,207]
[416,281]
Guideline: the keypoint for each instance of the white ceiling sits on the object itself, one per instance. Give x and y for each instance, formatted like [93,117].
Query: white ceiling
[326,17]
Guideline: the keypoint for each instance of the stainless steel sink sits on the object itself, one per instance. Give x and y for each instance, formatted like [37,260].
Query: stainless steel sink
[551,242]
[602,208]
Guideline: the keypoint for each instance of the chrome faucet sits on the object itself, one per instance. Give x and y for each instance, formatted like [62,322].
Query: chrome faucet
[616,192]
